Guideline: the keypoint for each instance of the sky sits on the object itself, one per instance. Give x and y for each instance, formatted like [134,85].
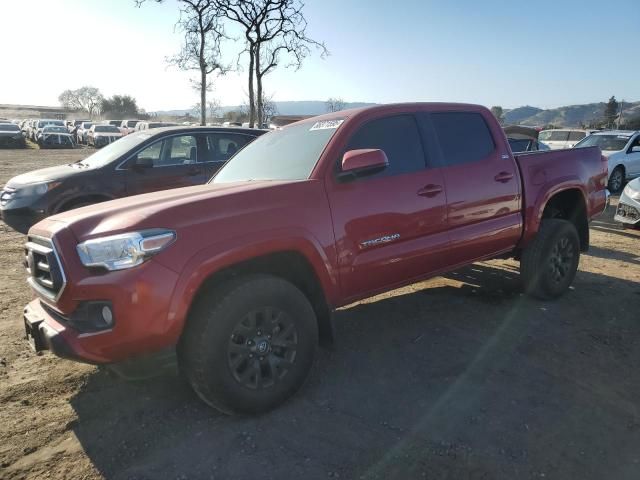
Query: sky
[492,52]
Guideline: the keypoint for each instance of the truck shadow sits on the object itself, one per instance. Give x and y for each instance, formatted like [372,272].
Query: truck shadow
[463,377]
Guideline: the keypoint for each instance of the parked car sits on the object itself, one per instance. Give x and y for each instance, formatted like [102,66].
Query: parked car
[74,124]
[100,135]
[138,163]
[240,277]
[523,139]
[11,136]
[622,149]
[128,126]
[115,123]
[82,131]
[55,136]
[562,137]
[148,125]
[40,124]
[628,210]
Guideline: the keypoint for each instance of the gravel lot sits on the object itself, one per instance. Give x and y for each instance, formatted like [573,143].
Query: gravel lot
[460,377]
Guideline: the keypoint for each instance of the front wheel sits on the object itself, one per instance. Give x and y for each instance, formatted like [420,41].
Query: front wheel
[550,262]
[250,345]
[616,179]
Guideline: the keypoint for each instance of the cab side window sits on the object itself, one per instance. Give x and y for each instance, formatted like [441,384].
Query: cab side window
[398,137]
[464,137]
[172,151]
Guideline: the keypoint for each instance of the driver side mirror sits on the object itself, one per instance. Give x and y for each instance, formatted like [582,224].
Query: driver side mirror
[364,161]
[141,164]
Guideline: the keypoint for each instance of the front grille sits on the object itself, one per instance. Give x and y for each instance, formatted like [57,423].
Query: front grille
[628,211]
[6,195]
[43,266]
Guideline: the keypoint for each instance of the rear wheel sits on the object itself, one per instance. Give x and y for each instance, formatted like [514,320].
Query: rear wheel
[250,345]
[550,262]
[616,180]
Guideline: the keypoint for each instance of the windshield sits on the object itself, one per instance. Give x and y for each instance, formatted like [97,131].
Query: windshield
[132,123]
[612,143]
[9,127]
[287,154]
[554,135]
[55,129]
[113,151]
[519,145]
[86,125]
[44,123]
[107,128]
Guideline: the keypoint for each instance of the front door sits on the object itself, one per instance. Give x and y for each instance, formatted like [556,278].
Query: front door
[390,226]
[171,162]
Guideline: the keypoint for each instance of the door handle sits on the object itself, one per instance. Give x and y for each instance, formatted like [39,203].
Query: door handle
[503,177]
[430,190]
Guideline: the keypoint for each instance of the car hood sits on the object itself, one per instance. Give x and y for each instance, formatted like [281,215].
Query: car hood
[10,134]
[174,208]
[43,175]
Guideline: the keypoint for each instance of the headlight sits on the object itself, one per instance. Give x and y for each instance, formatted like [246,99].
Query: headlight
[127,250]
[35,189]
[630,192]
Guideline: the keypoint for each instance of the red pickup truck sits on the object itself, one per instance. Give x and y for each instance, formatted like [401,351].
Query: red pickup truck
[240,277]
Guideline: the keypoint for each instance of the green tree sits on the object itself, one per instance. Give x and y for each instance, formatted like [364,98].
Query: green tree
[611,112]
[119,106]
[498,113]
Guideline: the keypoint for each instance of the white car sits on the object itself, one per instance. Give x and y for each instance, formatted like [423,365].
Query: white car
[82,131]
[101,135]
[622,149]
[560,138]
[628,211]
[128,126]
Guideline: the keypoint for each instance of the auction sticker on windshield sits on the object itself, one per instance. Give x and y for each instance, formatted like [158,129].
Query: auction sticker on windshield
[326,125]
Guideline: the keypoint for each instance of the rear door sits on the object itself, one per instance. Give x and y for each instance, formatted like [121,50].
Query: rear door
[390,226]
[169,163]
[482,183]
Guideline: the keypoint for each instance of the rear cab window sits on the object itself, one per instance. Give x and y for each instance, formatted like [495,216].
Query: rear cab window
[464,137]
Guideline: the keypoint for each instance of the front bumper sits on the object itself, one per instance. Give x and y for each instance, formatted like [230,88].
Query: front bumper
[23,218]
[140,300]
[628,210]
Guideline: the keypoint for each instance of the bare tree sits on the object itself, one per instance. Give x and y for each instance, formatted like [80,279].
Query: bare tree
[269,109]
[335,104]
[273,30]
[203,32]
[213,106]
[87,99]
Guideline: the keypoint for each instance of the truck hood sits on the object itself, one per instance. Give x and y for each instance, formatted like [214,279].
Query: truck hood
[43,175]
[172,209]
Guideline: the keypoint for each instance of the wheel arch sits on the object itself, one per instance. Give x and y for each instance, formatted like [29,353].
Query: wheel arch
[300,264]
[569,204]
[68,203]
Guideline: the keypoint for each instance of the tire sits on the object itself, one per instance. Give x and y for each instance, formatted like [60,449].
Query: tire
[616,180]
[549,263]
[249,346]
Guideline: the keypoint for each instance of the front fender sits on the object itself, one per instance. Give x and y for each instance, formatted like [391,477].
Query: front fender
[218,256]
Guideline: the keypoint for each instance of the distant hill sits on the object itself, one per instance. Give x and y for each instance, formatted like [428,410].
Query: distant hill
[304,107]
[568,116]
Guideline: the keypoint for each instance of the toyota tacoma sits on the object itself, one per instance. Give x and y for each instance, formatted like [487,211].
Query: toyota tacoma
[237,279]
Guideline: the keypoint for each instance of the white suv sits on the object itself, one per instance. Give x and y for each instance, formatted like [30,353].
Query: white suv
[562,138]
[622,149]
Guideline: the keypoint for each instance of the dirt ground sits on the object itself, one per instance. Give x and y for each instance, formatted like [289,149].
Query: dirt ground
[460,377]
